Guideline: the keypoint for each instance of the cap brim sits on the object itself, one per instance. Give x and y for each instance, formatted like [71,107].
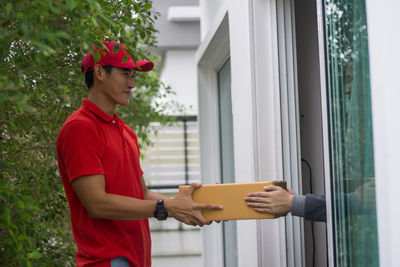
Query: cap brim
[143,65]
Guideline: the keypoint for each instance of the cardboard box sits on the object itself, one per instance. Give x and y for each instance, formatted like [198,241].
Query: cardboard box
[231,197]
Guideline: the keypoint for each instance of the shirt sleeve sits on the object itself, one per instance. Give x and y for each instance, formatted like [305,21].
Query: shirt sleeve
[311,207]
[82,150]
[298,203]
[315,208]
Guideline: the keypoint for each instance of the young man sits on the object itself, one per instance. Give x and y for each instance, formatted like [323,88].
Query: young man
[98,158]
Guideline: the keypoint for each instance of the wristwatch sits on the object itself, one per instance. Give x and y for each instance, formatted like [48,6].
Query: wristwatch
[160,213]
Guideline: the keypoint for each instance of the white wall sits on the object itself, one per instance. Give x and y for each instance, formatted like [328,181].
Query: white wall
[180,73]
[384,57]
[243,127]
[208,12]
[257,146]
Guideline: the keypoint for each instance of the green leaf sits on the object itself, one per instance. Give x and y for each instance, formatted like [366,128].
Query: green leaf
[94,21]
[12,234]
[20,203]
[9,7]
[95,5]
[4,165]
[147,6]
[63,35]
[116,48]
[55,10]
[66,90]
[7,216]
[142,34]
[125,59]
[34,255]
[71,4]
[96,56]
[136,7]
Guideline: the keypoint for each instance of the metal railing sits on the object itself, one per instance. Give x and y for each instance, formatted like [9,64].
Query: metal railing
[185,120]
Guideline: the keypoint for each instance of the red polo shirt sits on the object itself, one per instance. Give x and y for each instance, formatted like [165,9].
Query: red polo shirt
[91,142]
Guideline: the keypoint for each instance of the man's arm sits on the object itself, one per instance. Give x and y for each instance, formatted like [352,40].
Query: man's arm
[182,207]
[99,204]
[278,201]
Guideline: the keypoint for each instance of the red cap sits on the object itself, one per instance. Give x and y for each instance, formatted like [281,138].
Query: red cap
[115,59]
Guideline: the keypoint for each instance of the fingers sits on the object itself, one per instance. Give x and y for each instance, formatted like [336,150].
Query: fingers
[192,220]
[264,210]
[259,194]
[271,211]
[197,219]
[269,188]
[291,191]
[258,205]
[191,188]
[257,199]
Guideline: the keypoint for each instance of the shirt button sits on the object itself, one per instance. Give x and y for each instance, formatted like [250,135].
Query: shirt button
[113,121]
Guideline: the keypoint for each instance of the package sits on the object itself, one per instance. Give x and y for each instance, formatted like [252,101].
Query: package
[231,197]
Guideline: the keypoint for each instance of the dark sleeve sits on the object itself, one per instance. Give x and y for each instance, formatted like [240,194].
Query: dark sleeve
[311,207]
[315,208]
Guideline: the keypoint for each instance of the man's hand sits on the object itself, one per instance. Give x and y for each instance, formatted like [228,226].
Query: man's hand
[184,209]
[275,200]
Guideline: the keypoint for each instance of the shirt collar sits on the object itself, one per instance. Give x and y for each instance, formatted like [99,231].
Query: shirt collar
[97,111]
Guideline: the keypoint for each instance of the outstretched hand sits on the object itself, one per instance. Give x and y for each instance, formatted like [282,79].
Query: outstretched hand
[275,200]
[184,209]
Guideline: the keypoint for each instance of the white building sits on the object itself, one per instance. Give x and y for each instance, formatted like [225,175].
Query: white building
[283,84]
[281,81]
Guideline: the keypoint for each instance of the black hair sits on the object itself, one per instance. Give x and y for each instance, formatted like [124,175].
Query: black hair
[89,75]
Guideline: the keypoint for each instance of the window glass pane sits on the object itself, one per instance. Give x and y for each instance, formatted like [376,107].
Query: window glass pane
[352,163]
[227,156]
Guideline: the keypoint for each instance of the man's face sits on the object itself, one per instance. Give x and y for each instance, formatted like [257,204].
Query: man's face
[118,85]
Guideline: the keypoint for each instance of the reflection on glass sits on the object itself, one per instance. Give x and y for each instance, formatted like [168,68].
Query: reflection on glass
[349,101]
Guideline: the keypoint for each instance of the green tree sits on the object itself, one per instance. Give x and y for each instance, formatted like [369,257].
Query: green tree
[41,45]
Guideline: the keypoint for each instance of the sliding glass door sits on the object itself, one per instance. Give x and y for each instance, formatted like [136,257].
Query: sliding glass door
[351,143]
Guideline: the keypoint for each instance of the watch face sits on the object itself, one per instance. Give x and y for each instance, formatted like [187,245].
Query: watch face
[160,213]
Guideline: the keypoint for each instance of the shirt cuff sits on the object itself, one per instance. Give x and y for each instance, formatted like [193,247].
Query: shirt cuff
[298,205]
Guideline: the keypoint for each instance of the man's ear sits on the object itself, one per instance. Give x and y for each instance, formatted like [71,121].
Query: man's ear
[98,72]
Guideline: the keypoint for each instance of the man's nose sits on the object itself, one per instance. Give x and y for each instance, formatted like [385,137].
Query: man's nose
[131,83]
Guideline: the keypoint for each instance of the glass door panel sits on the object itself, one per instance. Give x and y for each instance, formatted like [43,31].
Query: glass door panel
[351,144]
[227,156]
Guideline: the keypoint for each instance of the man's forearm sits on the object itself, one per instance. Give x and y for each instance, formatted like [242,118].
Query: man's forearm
[117,207]
[150,195]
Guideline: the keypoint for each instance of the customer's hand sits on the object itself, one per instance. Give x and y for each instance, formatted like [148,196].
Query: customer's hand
[275,200]
[184,209]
